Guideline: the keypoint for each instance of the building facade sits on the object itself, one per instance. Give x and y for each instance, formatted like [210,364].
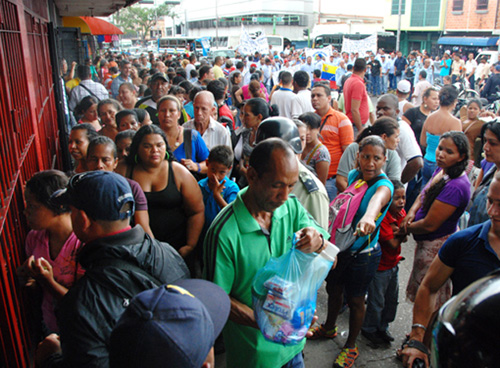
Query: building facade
[284,18]
[422,23]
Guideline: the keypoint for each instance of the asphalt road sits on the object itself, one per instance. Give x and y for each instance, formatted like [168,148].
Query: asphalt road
[321,353]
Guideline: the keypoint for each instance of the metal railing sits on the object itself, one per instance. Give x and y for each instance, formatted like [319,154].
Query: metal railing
[28,143]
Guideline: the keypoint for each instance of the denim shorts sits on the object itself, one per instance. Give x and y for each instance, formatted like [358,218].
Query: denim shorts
[357,276]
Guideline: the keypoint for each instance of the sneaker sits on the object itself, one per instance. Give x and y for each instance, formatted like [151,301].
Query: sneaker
[373,337]
[319,332]
[346,358]
[385,335]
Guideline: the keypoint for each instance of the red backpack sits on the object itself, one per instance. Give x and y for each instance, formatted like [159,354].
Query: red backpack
[342,211]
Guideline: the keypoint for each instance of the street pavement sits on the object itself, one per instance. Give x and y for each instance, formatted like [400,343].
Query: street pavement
[321,353]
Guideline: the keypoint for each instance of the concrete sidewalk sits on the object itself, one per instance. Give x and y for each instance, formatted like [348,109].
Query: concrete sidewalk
[321,353]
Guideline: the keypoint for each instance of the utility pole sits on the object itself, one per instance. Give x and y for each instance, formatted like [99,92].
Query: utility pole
[399,25]
[216,25]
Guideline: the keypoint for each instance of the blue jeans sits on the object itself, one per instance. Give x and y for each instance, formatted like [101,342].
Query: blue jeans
[331,188]
[427,171]
[392,81]
[382,302]
[385,83]
[296,362]
[375,84]
[413,190]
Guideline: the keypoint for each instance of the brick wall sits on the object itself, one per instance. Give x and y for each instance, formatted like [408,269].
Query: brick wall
[471,19]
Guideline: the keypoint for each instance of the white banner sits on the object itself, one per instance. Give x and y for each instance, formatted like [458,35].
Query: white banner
[360,46]
[249,46]
[326,52]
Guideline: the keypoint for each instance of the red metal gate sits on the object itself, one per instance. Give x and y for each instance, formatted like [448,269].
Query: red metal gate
[28,143]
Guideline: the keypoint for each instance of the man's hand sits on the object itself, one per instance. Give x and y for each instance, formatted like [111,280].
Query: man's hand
[189,164]
[410,354]
[309,240]
[50,345]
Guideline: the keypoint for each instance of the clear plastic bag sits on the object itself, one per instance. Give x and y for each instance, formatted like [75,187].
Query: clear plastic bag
[284,294]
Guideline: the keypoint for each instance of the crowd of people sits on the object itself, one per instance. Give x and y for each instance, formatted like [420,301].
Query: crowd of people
[187,169]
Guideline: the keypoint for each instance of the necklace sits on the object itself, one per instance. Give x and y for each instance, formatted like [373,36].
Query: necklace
[177,143]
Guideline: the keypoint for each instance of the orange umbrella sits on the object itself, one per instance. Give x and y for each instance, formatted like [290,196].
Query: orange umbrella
[94,26]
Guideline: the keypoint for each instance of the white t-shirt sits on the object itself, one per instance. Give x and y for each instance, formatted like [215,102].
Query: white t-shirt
[284,98]
[408,147]
[216,134]
[469,65]
[302,103]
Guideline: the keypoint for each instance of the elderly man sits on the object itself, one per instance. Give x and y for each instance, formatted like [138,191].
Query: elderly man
[212,131]
[119,262]
[259,225]
[159,85]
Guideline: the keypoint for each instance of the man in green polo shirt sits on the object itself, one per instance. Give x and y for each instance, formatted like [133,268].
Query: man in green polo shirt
[258,225]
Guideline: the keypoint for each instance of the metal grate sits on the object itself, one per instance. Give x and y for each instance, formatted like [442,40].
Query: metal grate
[28,143]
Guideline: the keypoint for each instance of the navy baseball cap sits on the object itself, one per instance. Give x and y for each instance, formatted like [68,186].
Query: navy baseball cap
[103,195]
[171,326]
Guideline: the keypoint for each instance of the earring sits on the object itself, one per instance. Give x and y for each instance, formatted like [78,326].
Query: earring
[167,156]
[136,159]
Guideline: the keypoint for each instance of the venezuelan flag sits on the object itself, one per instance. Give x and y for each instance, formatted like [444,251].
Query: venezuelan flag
[328,73]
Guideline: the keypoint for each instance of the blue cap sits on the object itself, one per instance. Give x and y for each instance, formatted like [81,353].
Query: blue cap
[103,195]
[171,326]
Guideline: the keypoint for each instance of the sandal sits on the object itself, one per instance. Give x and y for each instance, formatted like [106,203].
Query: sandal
[319,332]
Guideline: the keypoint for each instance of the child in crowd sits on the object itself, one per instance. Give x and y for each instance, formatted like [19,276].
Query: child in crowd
[123,141]
[217,189]
[384,289]
[127,119]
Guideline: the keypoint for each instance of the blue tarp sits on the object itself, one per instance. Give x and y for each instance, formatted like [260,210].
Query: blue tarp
[468,41]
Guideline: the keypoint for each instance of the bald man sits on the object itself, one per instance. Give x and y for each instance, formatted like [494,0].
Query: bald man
[213,132]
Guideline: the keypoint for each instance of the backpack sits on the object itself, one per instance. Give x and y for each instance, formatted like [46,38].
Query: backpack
[343,210]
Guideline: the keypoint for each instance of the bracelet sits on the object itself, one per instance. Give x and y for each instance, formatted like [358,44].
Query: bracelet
[322,244]
[418,325]
[199,167]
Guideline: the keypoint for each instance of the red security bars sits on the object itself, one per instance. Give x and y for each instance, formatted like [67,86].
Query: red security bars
[28,143]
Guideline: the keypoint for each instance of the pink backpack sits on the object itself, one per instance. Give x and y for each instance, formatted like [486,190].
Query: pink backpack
[342,211]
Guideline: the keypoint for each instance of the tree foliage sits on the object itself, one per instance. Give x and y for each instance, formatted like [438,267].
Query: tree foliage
[140,20]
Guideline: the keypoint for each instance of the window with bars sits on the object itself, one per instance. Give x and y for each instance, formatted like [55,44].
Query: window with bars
[395,7]
[458,5]
[425,13]
[482,5]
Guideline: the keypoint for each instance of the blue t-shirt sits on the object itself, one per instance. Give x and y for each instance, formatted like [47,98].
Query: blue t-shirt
[199,150]
[445,67]
[212,209]
[354,175]
[470,254]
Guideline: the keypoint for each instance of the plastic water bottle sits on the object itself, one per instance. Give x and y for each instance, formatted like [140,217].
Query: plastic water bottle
[330,252]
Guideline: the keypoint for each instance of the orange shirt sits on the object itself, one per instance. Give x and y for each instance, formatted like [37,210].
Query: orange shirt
[336,131]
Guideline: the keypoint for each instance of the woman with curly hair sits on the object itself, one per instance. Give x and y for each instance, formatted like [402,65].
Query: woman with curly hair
[434,215]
